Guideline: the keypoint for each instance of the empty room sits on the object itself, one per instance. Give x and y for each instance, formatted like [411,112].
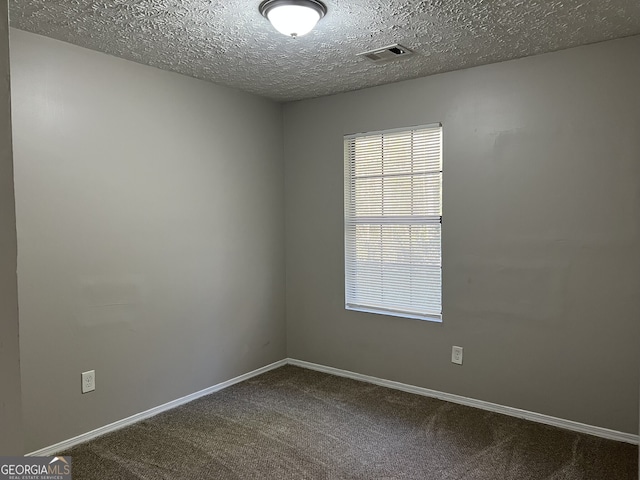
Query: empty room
[302,239]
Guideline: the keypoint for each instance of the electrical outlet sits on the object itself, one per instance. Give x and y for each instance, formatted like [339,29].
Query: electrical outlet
[88,381]
[456,355]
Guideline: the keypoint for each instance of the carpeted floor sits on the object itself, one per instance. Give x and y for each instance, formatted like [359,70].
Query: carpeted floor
[293,423]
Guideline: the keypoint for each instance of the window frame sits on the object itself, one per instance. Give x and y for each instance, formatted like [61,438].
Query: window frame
[348,182]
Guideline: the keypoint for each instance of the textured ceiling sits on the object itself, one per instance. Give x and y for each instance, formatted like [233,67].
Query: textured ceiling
[230,43]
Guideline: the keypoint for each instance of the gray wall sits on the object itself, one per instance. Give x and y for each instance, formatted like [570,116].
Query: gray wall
[10,413]
[541,234]
[150,223]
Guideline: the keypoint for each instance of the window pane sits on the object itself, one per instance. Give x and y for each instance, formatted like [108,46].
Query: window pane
[393,205]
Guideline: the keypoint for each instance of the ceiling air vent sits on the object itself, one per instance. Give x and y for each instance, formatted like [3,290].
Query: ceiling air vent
[385,54]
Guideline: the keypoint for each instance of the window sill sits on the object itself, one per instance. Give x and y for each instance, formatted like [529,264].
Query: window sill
[389,313]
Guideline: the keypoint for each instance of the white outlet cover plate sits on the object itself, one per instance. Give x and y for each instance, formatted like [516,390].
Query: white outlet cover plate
[456,355]
[88,381]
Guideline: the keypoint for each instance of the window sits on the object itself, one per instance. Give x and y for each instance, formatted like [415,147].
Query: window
[393,219]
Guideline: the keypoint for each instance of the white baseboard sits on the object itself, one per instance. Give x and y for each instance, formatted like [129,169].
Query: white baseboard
[471,402]
[449,397]
[85,437]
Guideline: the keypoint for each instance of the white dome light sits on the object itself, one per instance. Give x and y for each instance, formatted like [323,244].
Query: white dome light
[293,18]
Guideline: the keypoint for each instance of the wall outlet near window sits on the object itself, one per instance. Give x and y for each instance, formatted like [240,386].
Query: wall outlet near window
[88,381]
[456,355]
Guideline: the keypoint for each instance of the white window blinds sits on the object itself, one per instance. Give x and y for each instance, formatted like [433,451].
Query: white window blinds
[393,218]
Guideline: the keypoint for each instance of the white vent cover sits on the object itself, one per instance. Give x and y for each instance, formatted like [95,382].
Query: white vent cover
[386,54]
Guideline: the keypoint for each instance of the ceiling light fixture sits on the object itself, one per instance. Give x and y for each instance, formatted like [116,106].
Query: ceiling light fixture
[294,18]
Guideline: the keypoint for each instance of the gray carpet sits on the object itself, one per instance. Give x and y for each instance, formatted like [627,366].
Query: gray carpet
[293,423]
